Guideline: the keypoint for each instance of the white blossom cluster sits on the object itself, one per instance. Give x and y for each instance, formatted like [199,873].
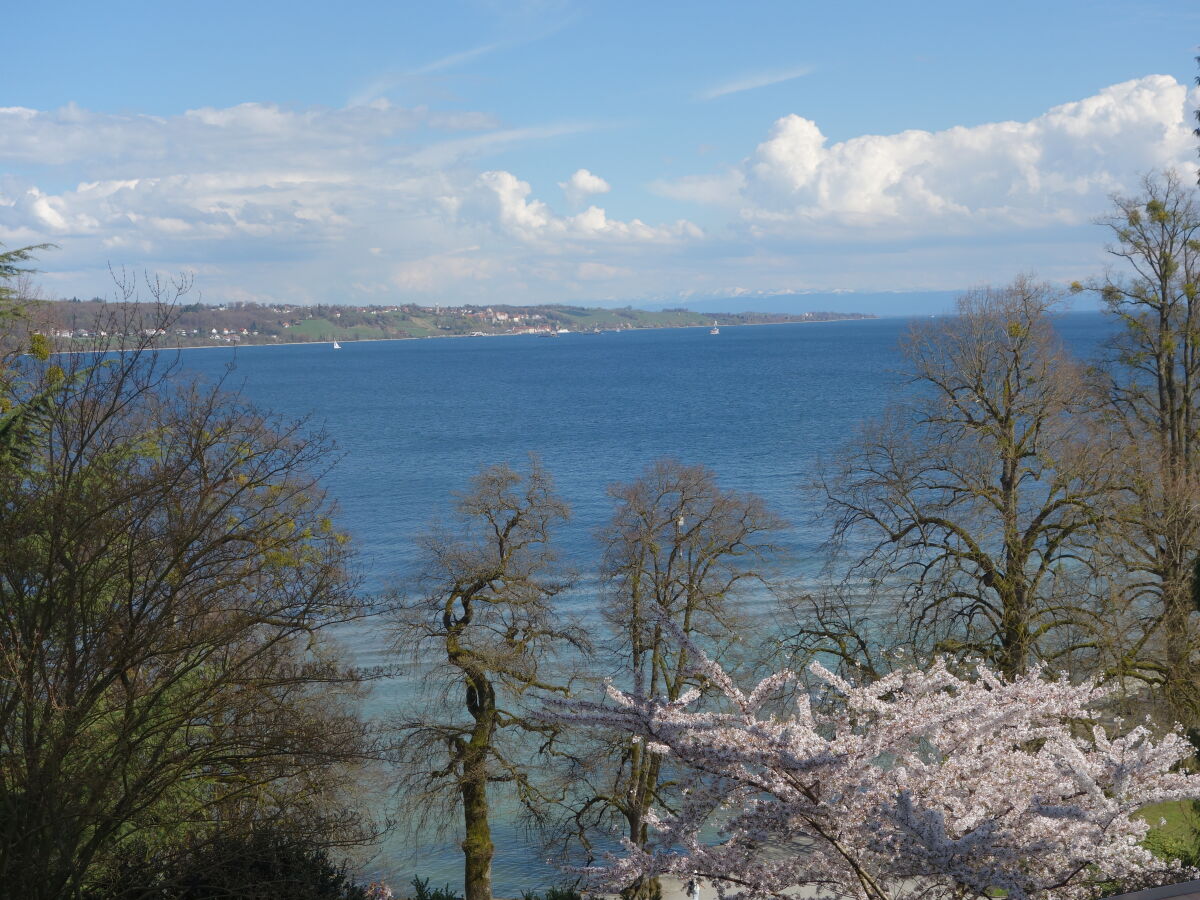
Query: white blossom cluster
[921,784]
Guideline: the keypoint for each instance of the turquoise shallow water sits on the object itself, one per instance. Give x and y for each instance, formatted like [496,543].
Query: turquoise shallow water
[413,420]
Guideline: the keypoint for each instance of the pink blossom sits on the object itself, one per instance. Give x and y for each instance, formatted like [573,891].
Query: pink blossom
[922,784]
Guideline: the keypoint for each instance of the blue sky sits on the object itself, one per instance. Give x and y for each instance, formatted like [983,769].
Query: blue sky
[583,152]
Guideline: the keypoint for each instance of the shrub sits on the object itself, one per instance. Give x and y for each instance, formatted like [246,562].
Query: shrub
[266,864]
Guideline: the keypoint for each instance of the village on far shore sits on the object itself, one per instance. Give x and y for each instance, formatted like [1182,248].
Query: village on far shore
[202,325]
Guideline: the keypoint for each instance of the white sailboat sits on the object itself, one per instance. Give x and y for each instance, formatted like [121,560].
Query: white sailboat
[714,329]
[337,346]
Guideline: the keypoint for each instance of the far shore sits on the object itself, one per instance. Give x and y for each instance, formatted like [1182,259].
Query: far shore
[500,334]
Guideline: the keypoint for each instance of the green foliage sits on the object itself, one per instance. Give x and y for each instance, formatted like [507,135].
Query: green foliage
[10,258]
[1158,212]
[1176,831]
[39,347]
[10,269]
[19,424]
[166,566]
[266,864]
[421,891]
[558,892]
[1169,846]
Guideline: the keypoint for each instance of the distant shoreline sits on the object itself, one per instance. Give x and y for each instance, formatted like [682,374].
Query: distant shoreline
[501,334]
[85,325]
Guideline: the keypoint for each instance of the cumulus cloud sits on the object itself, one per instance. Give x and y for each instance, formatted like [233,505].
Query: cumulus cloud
[1056,169]
[379,202]
[236,190]
[583,184]
[501,198]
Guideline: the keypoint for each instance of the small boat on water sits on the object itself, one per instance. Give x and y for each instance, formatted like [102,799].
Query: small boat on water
[714,329]
[337,346]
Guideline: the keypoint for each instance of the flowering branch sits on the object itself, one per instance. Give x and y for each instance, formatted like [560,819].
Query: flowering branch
[918,784]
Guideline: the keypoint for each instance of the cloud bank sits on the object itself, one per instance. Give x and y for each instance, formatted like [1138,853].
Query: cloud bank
[382,203]
[1057,169]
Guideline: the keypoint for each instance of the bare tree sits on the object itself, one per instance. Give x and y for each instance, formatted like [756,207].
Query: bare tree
[168,568]
[677,546]
[1153,388]
[483,628]
[960,511]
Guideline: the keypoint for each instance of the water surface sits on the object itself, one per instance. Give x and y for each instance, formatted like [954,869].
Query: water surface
[413,420]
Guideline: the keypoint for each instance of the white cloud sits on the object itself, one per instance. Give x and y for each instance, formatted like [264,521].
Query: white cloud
[240,190]
[223,139]
[380,202]
[1056,169]
[526,218]
[502,198]
[583,184]
[750,82]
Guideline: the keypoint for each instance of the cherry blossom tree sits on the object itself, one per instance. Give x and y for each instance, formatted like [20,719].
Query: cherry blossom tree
[920,784]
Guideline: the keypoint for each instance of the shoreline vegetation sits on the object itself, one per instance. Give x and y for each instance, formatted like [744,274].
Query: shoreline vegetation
[73,323]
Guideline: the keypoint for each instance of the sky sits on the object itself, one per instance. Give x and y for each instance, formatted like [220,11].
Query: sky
[551,151]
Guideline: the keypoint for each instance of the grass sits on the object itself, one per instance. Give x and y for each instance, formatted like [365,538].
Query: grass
[1179,833]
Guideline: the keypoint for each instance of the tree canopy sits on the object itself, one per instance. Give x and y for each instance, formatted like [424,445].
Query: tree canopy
[168,568]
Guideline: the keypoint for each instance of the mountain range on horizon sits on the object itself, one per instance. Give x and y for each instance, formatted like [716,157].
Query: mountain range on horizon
[877,303]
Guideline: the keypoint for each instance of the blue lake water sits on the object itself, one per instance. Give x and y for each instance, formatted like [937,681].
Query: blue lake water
[413,420]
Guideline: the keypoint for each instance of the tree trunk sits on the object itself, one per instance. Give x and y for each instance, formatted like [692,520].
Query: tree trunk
[477,846]
[1180,686]
[1016,641]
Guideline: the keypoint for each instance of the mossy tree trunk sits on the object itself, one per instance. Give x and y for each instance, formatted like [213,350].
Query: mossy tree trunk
[486,623]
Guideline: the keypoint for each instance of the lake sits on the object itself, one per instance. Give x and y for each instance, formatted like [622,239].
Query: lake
[413,420]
